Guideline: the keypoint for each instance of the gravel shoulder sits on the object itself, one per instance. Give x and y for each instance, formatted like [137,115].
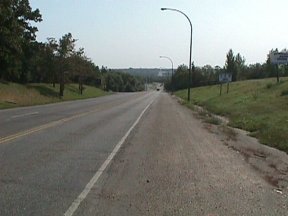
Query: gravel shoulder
[175,164]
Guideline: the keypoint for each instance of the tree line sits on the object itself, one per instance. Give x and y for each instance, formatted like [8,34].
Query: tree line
[235,65]
[25,60]
[123,82]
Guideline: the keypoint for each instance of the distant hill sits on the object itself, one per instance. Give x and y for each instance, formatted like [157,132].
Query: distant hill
[154,74]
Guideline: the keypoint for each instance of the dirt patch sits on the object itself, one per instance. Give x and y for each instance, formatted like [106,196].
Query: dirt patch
[270,163]
[271,180]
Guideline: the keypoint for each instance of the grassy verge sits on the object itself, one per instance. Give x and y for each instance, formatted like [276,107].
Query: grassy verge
[16,95]
[258,106]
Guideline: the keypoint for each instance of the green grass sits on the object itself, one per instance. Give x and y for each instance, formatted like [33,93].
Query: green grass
[258,106]
[16,95]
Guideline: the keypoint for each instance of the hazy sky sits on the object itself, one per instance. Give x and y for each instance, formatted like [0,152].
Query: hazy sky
[134,33]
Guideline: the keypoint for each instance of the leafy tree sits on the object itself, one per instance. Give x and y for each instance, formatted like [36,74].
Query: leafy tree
[240,66]
[181,77]
[104,70]
[66,49]
[271,69]
[51,48]
[256,71]
[16,34]
[66,46]
[122,82]
[231,64]
[82,69]
[209,73]
[37,68]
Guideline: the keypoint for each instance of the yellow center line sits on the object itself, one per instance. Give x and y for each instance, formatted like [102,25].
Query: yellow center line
[43,127]
[56,123]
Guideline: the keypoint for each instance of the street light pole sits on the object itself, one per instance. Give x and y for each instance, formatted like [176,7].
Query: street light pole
[190,59]
[172,68]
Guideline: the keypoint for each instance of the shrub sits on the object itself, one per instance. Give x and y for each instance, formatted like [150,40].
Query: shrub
[269,85]
[284,92]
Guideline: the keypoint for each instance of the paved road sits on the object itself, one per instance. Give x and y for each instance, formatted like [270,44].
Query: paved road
[170,164]
[49,153]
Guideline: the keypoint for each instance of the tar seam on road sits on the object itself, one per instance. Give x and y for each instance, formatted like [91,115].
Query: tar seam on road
[74,206]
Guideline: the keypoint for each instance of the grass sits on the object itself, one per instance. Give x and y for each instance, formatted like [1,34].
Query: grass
[16,95]
[258,106]
[207,117]
[213,120]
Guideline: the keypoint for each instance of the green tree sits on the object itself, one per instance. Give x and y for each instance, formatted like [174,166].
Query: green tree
[37,69]
[51,48]
[230,65]
[181,77]
[122,82]
[256,71]
[66,49]
[240,66]
[271,69]
[208,73]
[66,46]
[81,68]
[16,34]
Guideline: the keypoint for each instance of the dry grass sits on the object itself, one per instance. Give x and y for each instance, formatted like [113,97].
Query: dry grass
[15,95]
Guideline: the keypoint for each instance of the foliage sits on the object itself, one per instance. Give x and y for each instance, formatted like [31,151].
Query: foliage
[181,77]
[207,75]
[235,65]
[230,65]
[200,76]
[24,60]
[122,82]
[284,92]
[17,36]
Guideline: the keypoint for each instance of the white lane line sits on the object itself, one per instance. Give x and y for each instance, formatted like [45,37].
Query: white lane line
[74,206]
[23,115]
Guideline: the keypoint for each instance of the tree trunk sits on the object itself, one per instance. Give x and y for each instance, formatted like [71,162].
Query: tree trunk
[277,68]
[61,93]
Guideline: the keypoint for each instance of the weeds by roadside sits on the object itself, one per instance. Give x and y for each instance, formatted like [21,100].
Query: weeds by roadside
[257,106]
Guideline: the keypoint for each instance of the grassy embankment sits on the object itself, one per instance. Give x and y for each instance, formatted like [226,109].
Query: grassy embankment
[257,106]
[16,95]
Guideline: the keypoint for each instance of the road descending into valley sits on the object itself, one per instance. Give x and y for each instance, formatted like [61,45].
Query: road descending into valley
[125,154]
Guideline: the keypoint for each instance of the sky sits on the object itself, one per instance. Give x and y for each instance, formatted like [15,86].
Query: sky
[134,33]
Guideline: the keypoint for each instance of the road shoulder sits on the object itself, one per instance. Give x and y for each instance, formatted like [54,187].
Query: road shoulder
[173,165]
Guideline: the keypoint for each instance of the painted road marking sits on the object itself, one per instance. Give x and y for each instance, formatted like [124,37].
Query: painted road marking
[23,115]
[51,124]
[74,206]
[42,127]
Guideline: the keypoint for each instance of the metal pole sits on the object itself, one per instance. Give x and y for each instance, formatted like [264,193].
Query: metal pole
[190,59]
[172,67]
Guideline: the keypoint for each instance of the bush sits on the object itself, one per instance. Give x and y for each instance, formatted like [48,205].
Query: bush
[269,85]
[284,92]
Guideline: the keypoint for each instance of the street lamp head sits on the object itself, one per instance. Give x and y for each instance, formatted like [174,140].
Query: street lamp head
[163,9]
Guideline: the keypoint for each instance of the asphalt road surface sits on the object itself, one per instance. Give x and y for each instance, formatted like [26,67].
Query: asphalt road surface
[125,154]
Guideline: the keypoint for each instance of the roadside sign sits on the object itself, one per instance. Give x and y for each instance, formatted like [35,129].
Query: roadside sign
[225,77]
[279,58]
